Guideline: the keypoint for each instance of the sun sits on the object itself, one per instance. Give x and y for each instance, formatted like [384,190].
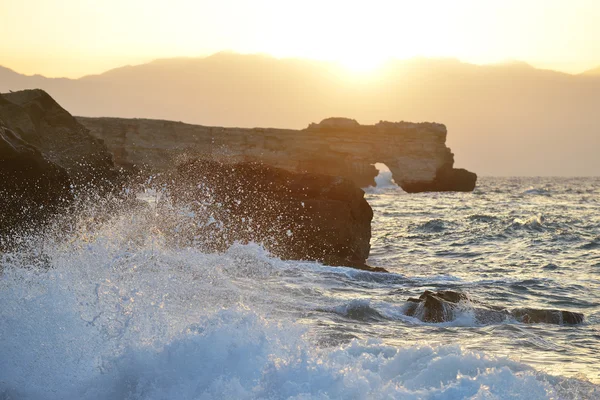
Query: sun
[362,55]
[361,63]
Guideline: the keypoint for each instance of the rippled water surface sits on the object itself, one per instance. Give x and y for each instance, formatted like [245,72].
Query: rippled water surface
[514,242]
[115,313]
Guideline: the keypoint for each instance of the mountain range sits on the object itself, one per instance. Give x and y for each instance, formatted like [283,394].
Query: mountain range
[506,120]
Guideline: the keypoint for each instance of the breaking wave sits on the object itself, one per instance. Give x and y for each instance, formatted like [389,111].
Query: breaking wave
[118,310]
[384,182]
[170,325]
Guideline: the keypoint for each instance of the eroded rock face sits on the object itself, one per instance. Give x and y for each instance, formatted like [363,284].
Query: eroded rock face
[45,157]
[442,306]
[32,188]
[42,123]
[295,216]
[416,153]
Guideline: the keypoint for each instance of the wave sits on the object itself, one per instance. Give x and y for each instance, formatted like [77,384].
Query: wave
[483,218]
[432,226]
[550,267]
[57,353]
[535,222]
[119,312]
[384,182]
[593,244]
[537,192]
[358,309]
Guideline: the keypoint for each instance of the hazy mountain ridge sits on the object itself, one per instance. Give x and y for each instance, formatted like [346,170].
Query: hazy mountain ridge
[592,72]
[504,119]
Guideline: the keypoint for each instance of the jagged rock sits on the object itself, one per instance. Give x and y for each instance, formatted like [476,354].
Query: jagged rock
[416,153]
[295,216]
[32,190]
[440,306]
[43,123]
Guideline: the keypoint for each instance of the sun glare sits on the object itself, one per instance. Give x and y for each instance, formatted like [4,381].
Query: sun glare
[361,64]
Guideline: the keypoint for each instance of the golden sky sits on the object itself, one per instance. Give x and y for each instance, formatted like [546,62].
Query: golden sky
[78,37]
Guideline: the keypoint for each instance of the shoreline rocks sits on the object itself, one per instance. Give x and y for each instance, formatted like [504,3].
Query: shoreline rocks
[441,306]
[47,159]
[301,200]
[295,216]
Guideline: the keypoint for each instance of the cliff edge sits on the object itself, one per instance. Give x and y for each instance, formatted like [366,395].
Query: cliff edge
[416,153]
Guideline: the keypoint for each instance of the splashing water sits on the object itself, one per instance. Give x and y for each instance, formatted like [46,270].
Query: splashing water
[118,311]
[384,181]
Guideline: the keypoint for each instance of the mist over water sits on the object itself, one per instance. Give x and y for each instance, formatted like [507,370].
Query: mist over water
[117,311]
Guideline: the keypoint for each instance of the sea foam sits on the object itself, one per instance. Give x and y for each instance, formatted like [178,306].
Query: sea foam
[115,312]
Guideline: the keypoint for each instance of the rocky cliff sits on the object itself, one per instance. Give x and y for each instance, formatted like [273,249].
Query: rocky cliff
[48,161]
[32,188]
[294,216]
[46,157]
[416,153]
[42,123]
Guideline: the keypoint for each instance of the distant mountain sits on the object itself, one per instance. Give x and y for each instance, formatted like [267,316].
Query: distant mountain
[592,72]
[504,119]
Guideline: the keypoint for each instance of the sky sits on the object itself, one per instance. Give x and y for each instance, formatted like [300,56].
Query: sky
[72,38]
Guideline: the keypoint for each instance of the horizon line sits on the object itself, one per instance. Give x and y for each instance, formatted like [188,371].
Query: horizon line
[338,63]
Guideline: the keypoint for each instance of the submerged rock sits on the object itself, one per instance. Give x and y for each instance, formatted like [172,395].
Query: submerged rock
[559,317]
[295,216]
[441,306]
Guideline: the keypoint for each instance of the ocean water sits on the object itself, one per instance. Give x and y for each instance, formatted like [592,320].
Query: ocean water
[113,311]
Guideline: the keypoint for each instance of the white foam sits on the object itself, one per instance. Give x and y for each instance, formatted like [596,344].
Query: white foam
[121,316]
[384,182]
[534,222]
[51,350]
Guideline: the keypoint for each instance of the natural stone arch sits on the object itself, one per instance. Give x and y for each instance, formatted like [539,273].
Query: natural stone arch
[415,153]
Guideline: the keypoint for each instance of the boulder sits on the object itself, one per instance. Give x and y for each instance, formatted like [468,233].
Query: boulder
[298,216]
[434,306]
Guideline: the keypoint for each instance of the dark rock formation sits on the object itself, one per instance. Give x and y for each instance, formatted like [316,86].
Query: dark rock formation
[295,216]
[434,306]
[32,189]
[441,307]
[45,157]
[532,315]
[447,179]
[44,124]
[416,154]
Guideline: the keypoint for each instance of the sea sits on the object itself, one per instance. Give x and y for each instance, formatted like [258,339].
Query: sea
[112,311]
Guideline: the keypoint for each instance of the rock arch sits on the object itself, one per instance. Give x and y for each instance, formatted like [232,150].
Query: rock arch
[416,153]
